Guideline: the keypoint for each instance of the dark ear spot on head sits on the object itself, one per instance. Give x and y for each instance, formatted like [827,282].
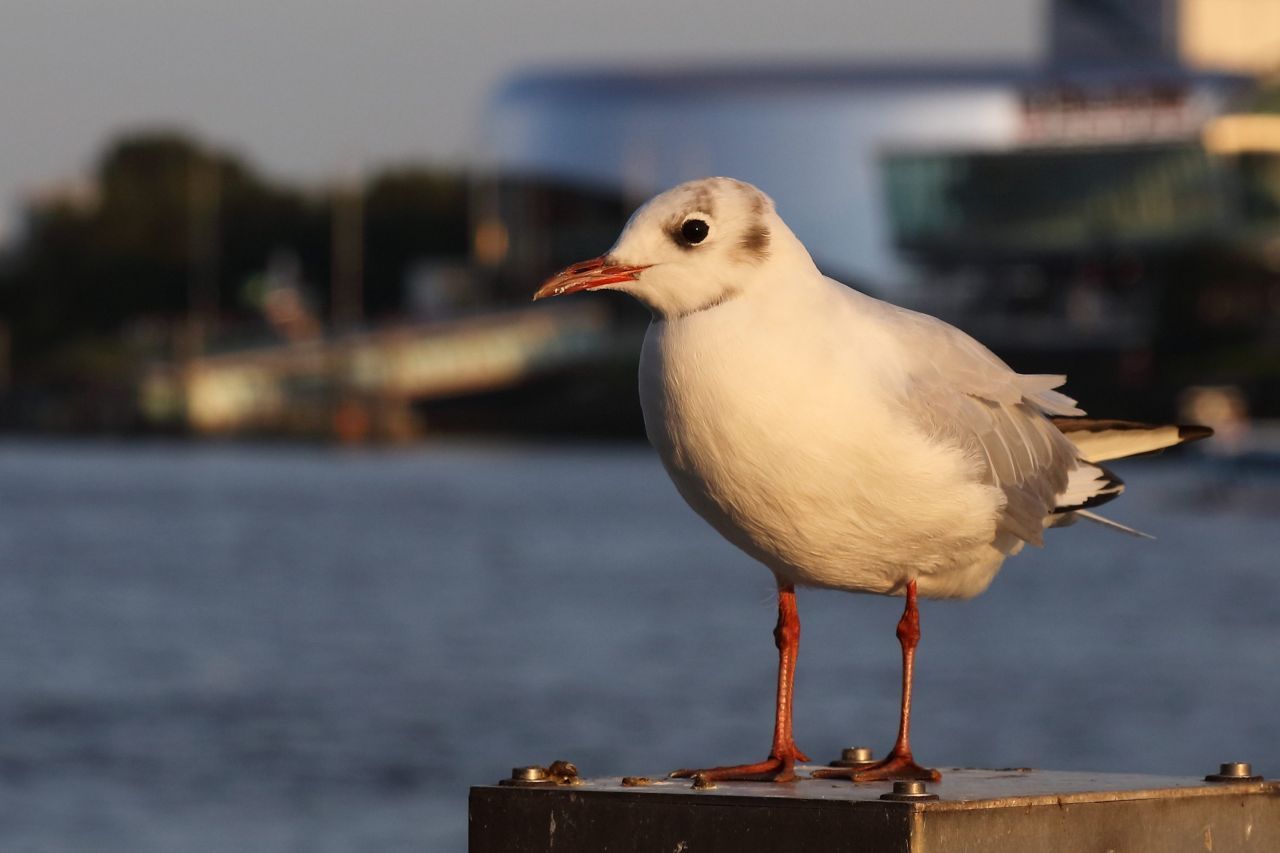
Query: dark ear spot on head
[755,241]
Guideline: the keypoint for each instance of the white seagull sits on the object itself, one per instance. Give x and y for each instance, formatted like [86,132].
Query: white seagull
[843,442]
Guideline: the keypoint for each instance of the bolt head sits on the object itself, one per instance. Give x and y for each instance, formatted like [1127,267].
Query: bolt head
[1234,771]
[854,756]
[528,774]
[909,791]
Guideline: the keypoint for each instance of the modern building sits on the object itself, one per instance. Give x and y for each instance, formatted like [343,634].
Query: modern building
[868,162]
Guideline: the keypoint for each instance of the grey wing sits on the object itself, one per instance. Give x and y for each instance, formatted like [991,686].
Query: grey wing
[1015,448]
[963,393]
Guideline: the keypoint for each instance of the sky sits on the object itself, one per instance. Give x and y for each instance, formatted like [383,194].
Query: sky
[309,88]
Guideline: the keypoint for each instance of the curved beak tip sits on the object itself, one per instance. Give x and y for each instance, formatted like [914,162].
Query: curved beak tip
[587,275]
[549,288]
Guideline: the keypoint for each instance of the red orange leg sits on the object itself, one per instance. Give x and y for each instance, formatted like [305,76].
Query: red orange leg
[780,765]
[899,764]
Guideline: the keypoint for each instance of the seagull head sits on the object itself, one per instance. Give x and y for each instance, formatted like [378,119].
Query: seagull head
[693,247]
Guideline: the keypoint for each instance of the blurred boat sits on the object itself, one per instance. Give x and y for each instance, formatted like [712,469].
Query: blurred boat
[396,382]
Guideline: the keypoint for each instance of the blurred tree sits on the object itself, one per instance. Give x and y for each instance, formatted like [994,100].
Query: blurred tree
[171,227]
[410,213]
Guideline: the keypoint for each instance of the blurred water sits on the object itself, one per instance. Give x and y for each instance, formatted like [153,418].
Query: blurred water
[279,649]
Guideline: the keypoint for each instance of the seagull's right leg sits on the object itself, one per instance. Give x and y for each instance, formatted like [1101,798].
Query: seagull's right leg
[900,764]
[780,765]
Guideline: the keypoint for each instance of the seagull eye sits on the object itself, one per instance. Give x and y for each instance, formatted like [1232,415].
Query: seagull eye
[694,231]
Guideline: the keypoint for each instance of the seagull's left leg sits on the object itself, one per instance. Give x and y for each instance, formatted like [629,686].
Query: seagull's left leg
[780,765]
[900,764]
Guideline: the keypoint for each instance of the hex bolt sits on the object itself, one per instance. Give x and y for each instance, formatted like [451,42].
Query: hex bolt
[909,792]
[1234,771]
[528,776]
[854,756]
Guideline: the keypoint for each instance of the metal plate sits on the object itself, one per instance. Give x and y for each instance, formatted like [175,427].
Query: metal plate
[987,810]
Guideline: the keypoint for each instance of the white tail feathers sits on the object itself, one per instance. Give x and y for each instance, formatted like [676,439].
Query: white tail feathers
[1087,486]
[1100,440]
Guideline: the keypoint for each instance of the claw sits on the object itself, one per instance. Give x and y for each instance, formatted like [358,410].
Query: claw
[772,769]
[894,768]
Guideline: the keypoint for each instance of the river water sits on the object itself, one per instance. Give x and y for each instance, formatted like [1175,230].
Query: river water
[268,648]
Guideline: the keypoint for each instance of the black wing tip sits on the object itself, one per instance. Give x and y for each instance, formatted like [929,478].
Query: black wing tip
[1112,487]
[1193,432]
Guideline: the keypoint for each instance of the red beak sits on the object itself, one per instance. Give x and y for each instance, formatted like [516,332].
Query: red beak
[587,275]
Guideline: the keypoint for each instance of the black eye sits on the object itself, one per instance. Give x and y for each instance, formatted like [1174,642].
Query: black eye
[694,231]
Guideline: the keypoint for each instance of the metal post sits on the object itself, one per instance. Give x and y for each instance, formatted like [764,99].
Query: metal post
[347,259]
[6,364]
[204,209]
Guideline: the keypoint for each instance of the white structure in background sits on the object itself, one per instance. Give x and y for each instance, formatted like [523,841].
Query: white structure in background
[810,139]
[1115,72]
[816,139]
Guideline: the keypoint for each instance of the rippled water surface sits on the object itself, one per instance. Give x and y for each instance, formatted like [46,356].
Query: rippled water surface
[278,649]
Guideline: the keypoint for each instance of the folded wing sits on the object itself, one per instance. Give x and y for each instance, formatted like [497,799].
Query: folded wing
[961,392]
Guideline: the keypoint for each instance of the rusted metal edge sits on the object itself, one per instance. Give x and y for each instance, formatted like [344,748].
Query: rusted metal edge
[805,794]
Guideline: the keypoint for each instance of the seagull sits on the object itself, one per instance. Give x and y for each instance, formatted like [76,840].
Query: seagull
[843,442]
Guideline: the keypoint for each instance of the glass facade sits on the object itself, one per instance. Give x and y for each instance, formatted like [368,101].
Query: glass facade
[967,204]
